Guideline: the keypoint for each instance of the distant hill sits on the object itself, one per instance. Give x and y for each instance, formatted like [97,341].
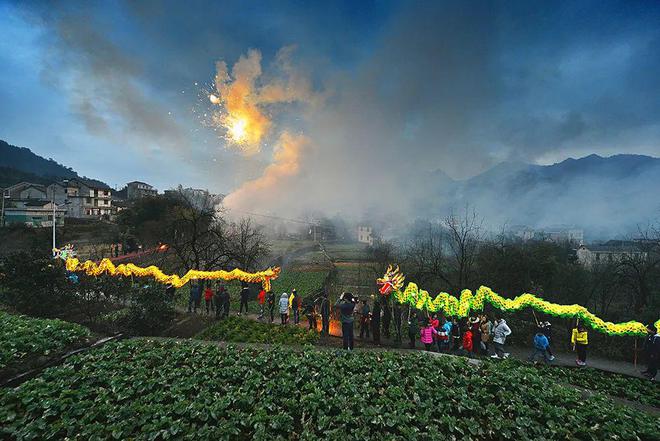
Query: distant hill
[603,195]
[19,164]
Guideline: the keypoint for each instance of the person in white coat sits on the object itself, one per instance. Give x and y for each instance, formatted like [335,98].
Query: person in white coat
[284,308]
[500,332]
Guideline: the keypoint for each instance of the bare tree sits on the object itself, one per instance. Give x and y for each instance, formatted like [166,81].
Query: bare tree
[247,244]
[638,269]
[202,239]
[426,257]
[464,236]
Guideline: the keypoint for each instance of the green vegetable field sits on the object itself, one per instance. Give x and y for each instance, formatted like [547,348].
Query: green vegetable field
[639,390]
[306,282]
[22,336]
[236,329]
[145,389]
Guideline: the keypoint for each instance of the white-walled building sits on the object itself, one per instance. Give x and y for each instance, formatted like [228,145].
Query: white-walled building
[610,252]
[365,234]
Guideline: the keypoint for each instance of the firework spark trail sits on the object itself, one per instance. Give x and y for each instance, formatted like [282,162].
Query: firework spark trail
[240,100]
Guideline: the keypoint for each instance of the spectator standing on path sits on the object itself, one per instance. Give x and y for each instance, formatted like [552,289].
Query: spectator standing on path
[426,334]
[413,329]
[652,350]
[468,341]
[444,331]
[325,314]
[227,302]
[194,298]
[486,330]
[208,298]
[546,329]
[455,335]
[220,293]
[500,332]
[365,312]
[541,344]
[310,312]
[295,306]
[346,306]
[475,328]
[245,292]
[375,321]
[271,305]
[284,308]
[580,341]
[262,300]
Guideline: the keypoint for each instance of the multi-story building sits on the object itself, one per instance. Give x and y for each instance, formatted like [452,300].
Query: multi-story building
[82,198]
[137,189]
[610,252]
[32,212]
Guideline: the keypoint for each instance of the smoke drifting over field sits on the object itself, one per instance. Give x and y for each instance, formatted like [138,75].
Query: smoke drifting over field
[379,109]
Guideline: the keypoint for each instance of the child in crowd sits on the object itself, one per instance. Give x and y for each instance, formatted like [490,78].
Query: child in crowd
[443,336]
[580,340]
[426,335]
[467,340]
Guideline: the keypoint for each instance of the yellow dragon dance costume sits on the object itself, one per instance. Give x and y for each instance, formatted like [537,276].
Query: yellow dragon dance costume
[129,269]
[392,283]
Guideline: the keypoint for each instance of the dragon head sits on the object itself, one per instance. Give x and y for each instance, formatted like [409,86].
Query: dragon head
[64,253]
[392,280]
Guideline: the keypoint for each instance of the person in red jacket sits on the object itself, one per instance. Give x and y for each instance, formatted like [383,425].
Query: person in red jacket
[262,299]
[208,299]
[467,340]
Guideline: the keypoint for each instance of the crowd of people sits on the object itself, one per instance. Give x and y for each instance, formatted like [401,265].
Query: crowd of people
[479,335]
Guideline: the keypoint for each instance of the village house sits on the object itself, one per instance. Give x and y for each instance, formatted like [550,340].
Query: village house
[137,189]
[610,252]
[365,234]
[82,198]
[32,212]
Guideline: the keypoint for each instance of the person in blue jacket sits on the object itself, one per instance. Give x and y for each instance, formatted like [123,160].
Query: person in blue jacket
[195,297]
[541,344]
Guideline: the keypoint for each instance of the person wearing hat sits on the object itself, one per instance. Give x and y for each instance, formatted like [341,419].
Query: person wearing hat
[475,327]
[346,307]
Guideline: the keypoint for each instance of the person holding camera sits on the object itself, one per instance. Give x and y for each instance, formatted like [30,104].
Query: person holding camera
[346,305]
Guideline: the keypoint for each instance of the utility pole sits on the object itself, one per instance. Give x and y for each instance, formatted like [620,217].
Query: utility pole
[53,204]
[2,219]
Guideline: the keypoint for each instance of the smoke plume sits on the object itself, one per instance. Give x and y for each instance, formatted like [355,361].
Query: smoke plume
[272,185]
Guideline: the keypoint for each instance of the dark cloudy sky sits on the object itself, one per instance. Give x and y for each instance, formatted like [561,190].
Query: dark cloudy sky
[113,88]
